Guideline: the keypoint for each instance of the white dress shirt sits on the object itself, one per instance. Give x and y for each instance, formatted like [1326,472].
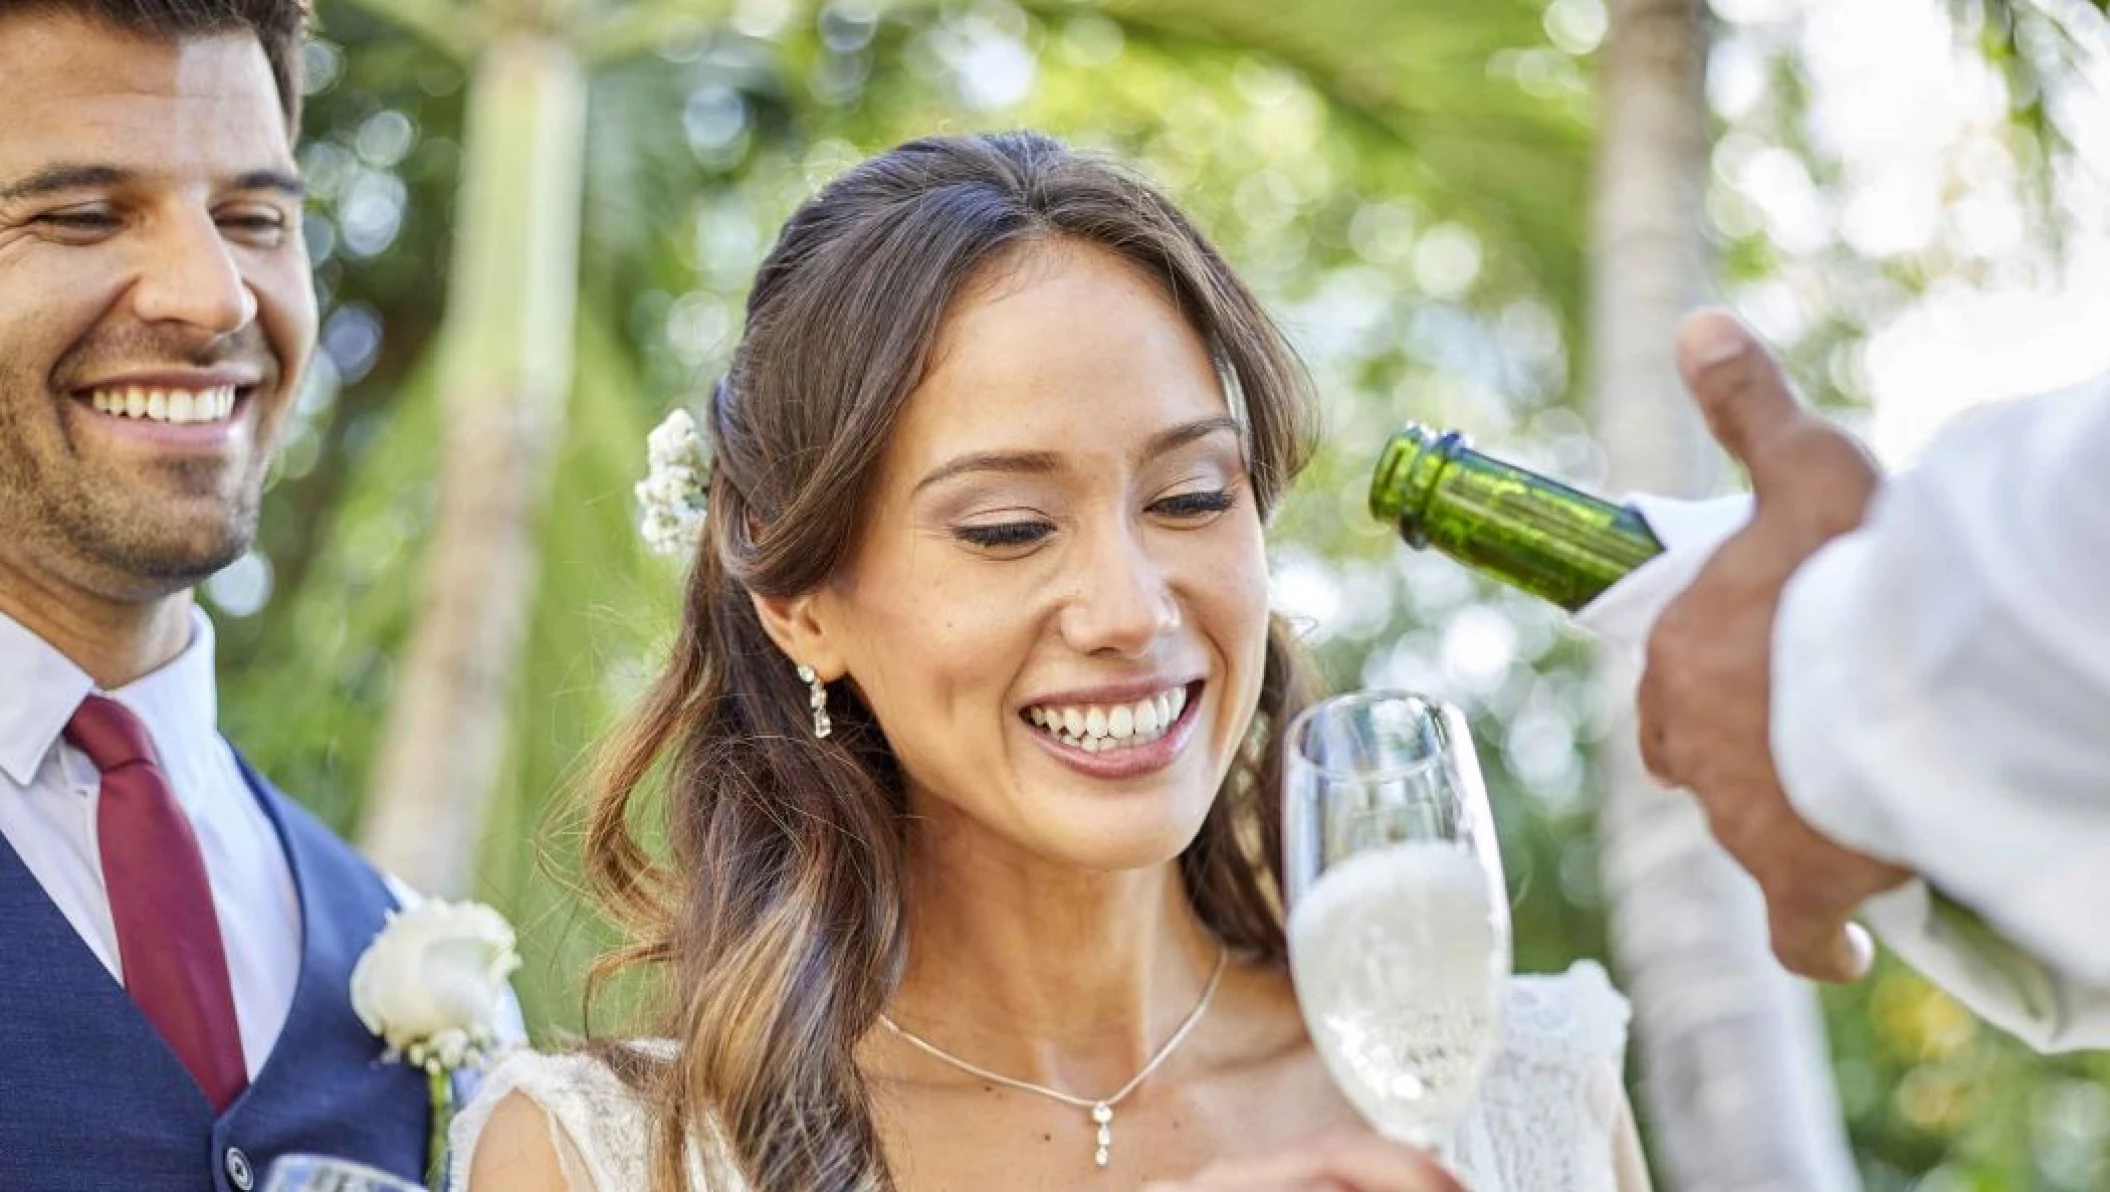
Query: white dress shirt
[1941,699]
[1941,684]
[48,794]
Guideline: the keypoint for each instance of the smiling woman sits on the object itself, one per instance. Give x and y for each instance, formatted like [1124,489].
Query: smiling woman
[973,461]
[991,471]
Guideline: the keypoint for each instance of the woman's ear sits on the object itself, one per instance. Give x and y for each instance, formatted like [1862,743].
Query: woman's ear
[800,627]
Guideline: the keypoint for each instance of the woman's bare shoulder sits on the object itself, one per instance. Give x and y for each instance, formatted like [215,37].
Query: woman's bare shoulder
[561,1122]
[517,1150]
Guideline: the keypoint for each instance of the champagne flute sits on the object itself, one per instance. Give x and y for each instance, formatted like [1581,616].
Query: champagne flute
[1398,915]
[325,1173]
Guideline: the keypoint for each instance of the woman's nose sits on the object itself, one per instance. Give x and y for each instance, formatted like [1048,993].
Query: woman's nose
[1121,601]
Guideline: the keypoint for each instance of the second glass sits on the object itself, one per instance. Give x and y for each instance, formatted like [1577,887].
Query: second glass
[323,1173]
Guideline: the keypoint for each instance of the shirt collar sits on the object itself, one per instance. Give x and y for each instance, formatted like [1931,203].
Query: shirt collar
[179,702]
[42,690]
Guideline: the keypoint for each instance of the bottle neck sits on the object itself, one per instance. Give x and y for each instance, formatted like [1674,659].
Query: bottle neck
[1527,530]
[1407,477]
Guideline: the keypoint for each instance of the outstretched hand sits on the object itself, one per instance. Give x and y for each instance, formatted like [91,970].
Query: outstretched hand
[1346,1161]
[1705,695]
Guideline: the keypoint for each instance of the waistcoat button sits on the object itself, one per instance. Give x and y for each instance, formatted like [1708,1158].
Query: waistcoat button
[239,1173]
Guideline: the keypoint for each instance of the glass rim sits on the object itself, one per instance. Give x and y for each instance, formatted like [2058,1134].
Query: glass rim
[336,1165]
[1430,706]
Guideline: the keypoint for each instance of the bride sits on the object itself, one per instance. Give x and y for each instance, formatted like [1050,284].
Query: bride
[960,868]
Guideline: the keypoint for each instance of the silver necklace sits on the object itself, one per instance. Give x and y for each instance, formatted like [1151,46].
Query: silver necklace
[1102,1109]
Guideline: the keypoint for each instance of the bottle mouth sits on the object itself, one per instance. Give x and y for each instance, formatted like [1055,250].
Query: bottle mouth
[1405,478]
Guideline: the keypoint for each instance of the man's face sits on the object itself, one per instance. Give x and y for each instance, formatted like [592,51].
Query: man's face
[156,310]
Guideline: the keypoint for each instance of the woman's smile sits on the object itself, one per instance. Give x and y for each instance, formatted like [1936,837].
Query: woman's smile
[1113,732]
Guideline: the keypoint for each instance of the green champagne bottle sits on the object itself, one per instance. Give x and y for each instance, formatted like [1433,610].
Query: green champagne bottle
[1522,528]
[1560,544]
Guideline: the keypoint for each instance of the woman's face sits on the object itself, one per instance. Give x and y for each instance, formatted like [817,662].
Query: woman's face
[1058,605]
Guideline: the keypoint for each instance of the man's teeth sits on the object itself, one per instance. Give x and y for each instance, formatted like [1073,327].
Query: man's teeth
[1094,727]
[167,405]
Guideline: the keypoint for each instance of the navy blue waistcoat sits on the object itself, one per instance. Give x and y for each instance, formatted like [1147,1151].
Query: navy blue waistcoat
[92,1100]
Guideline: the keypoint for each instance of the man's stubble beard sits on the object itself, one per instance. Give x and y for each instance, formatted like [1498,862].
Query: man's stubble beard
[96,539]
[166,558]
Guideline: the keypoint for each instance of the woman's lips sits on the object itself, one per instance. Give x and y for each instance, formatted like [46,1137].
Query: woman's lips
[1138,747]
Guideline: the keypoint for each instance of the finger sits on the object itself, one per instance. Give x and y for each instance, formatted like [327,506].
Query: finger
[1740,390]
[1655,758]
[1235,1179]
[1354,1161]
[1373,1164]
[1652,709]
[1822,948]
[1864,948]
[1285,1170]
[1752,410]
[1793,456]
[1654,740]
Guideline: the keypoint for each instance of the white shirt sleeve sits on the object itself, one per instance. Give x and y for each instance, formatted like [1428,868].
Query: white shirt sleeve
[1941,679]
[2048,1009]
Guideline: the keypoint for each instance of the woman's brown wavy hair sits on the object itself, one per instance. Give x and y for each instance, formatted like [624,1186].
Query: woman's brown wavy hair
[774,908]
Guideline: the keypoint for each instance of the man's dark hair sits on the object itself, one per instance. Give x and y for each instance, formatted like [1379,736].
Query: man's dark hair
[279,25]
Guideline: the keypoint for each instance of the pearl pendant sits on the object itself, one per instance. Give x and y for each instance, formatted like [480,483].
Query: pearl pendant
[1103,1114]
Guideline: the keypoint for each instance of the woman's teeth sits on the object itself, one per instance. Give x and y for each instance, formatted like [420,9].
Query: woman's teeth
[1097,727]
[167,405]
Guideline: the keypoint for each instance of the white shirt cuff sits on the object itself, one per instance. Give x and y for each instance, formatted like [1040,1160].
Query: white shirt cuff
[1986,974]
[1813,682]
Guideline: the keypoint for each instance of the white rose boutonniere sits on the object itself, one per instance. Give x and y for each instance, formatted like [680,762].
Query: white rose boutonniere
[431,986]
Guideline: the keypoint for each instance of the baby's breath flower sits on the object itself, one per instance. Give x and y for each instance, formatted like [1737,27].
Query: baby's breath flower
[671,497]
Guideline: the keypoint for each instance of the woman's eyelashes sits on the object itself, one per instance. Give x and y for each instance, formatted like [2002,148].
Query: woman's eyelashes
[1181,509]
[1196,505]
[1004,535]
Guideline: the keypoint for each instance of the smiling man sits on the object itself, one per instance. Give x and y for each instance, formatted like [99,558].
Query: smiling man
[179,936]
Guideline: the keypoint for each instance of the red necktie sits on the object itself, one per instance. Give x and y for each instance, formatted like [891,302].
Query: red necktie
[168,935]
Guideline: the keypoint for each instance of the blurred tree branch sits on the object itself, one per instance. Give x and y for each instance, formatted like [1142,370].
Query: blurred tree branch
[505,349]
[1732,1051]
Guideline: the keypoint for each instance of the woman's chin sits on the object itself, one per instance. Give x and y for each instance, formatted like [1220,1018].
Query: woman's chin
[1136,834]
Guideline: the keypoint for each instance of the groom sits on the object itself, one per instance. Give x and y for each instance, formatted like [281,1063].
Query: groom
[178,936]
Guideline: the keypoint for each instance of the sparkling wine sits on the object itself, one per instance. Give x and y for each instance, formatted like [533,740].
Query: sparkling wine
[1400,958]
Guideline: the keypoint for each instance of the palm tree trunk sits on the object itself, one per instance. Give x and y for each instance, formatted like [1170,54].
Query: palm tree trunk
[1734,1074]
[506,344]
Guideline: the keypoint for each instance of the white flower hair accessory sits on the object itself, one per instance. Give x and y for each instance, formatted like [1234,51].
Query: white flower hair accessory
[672,495]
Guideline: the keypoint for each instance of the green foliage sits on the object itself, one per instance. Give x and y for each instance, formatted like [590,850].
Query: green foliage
[307,700]
[1938,1099]
[603,615]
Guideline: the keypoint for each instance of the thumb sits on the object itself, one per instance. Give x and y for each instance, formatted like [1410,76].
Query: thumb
[1795,458]
[1740,390]
[1822,949]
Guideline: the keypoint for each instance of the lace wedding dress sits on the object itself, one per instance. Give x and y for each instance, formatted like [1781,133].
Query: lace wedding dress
[1544,1121]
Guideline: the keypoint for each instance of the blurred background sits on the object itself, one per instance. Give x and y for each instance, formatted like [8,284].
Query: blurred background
[534,222]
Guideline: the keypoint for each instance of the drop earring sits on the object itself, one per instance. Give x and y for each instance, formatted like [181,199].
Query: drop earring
[818,699]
